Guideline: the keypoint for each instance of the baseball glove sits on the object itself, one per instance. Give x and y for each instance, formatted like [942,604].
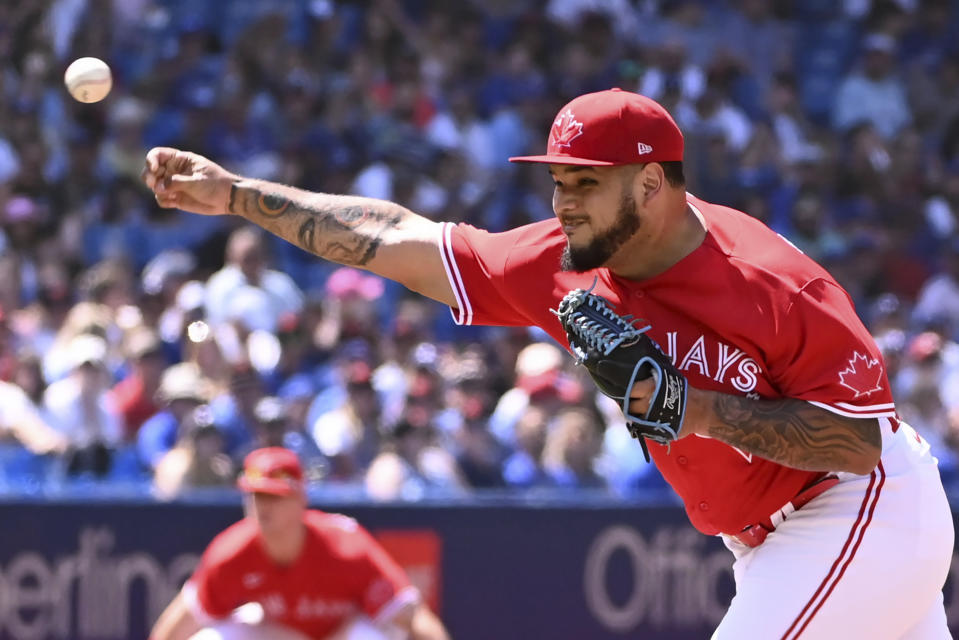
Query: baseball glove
[617,354]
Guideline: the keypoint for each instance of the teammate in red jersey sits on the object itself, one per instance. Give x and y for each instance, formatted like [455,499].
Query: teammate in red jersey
[790,449]
[308,574]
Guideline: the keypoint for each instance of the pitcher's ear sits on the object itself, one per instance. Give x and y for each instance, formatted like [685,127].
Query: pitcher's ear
[652,178]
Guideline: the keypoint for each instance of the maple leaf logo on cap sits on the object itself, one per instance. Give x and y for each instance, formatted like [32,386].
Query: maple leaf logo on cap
[565,129]
[862,375]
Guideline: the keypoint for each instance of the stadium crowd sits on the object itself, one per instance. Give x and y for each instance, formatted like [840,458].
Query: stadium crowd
[151,348]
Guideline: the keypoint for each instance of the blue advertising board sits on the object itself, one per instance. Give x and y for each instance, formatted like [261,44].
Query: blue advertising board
[104,570]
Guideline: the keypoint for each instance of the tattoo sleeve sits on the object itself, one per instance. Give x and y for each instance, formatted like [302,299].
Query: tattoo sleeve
[795,433]
[344,229]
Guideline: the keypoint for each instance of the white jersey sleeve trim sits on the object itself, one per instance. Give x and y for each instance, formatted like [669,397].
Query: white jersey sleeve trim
[463,314]
[865,407]
[851,411]
[406,597]
[193,604]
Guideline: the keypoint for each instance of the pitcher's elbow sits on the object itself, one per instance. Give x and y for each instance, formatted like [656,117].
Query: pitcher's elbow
[865,464]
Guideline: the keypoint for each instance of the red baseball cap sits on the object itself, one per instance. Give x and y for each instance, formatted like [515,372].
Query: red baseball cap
[612,127]
[272,470]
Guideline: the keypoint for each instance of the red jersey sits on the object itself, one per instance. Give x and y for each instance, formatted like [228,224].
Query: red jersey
[746,313]
[133,403]
[341,572]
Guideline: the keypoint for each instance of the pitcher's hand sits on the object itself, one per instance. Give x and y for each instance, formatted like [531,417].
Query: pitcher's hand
[697,403]
[640,395]
[188,181]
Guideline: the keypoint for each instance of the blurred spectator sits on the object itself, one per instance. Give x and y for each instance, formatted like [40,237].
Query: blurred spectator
[540,381]
[939,298]
[234,411]
[79,408]
[277,425]
[671,69]
[332,377]
[352,296]
[621,462]
[182,389]
[410,359]
[271,423]
[20,422]
[941,210]
[84,318]
[123,152]
[411,465]
[810,229]
[873,93]
[524,467]
[572,449]
[183,309]
[28,375]
[204,347]
[169,303]
[713,114]
[864,170]
[757,35]
[108,283]
[792,127]
[919,385]
[245,290]
[458,127]
[413,460]
[620,13]
[892,346]
[21,226]
[197,460]
[350,436]
[470,403]
[135,397]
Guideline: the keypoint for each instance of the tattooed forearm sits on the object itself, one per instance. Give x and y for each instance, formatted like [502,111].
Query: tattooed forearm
[306,233]
[268,204]
[343,229]
[352,234]
[795,433]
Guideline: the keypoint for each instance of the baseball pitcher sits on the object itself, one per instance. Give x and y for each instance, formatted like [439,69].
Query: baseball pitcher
[739,363]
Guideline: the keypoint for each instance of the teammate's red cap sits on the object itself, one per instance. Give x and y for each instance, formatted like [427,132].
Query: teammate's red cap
[611,127]
[272,470]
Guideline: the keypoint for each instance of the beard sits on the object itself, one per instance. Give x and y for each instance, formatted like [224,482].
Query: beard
[605,244]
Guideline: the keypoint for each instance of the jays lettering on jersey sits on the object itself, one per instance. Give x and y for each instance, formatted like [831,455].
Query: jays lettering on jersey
[745,313]
[341,572]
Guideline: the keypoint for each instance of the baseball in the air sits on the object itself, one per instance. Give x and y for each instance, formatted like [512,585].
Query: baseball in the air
[88,79]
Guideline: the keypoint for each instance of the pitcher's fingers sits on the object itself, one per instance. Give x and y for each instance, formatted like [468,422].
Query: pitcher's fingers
[148,178]
[177,181]
[643,388]
[180,162]
[184,178]
[153,159]
[167,200]
[152,171]
[159,156]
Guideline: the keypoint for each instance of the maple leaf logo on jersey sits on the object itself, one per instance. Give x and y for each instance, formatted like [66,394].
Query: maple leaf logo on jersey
[862,375]
[565,129]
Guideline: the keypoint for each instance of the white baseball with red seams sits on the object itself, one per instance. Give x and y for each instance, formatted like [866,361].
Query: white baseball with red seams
[88,79]
[748,314]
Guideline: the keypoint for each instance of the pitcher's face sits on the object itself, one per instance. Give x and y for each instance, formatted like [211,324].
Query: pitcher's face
[597,210]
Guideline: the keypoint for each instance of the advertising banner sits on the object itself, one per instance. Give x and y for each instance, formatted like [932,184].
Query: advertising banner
[105,570]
